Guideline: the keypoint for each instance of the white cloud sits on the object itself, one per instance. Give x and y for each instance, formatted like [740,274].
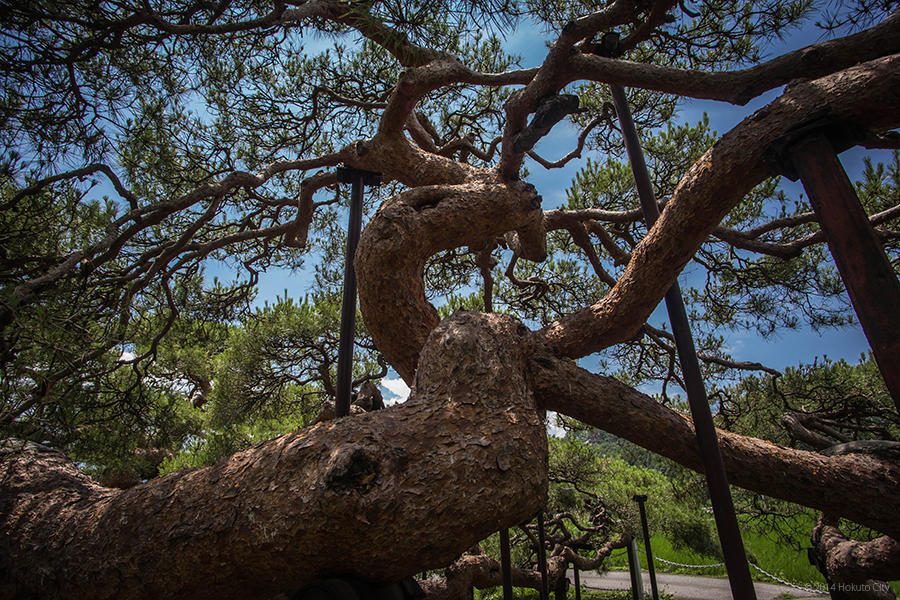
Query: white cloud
[397,390]
[553,427]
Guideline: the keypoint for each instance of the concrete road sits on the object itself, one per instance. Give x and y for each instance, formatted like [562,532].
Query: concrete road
[689,587]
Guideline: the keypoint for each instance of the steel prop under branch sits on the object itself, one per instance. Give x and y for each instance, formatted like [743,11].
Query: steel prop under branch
[358,179]
[723,506]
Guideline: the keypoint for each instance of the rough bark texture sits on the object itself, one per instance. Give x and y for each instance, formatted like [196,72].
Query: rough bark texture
[856,486]
[405,232]
[381,495]
[853,561]
[475,570]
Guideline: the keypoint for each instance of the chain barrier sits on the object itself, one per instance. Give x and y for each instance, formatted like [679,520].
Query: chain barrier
[760,569]
[789,584]
[677,564]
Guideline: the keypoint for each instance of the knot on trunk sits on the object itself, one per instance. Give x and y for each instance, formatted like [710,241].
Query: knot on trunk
[352,469]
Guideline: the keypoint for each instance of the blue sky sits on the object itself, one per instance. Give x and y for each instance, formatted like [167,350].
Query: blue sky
[785,348]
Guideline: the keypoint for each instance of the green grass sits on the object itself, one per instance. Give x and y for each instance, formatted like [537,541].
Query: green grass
[784,562]
[527,594]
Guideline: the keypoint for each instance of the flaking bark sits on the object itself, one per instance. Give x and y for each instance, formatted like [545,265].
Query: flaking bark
[381,495]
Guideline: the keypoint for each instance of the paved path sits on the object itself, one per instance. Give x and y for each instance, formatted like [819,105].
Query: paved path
[688,587]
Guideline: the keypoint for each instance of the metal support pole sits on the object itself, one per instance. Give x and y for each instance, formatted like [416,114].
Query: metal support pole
[542,558]
[858,254]
[577,582]
[634,568]
[358,179]
[640,499]
[720,495]
[505,565]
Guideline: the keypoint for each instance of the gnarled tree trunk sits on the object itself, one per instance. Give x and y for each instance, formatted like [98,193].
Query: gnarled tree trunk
[387,494]
[380,495]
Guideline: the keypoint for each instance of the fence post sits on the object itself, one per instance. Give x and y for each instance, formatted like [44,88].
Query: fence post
[577,582]
[542,557]
[634,567]
[640,499]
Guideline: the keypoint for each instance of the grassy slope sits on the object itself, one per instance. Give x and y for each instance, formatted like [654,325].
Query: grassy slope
[784,562]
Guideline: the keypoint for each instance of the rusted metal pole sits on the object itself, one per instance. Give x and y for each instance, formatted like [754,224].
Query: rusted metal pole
[723,506]
[505,565]
[358,179]
[651,568]
[858,254]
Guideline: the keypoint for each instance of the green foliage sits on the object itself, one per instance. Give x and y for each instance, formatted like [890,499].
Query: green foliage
[212,444]
[851,400]
[456,302]
[879,191]
[835,390]
[581,475]
[121,124]
[727,287]
[211,389]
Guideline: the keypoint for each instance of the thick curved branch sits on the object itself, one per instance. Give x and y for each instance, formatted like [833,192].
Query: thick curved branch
[413,85]
[848,560]
[596,561]
[298,231]
[396,42]
[854,486]
[550,78]
[475,570]
[798,429]
[400,238]
[424,137]
[556,218]
[739,87]
[865,95]
[396,158]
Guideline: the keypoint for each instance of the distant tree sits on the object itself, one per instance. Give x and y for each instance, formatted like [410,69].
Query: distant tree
[143,140]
